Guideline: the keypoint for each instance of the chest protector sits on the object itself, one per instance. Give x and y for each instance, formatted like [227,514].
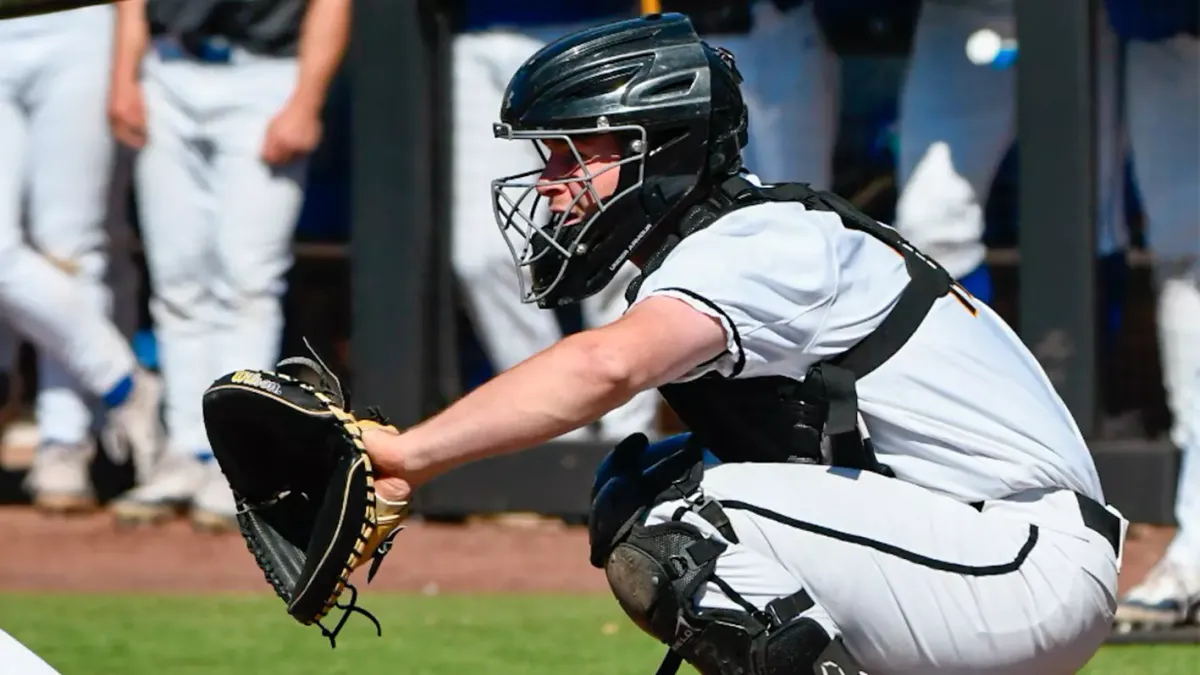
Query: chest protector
[777,418]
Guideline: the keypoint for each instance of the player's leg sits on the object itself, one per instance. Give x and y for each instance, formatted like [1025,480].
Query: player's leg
[791,87]
[257,207]
[176,231]
[1163,87]
[69,170]
[955,124]
[911,581]
[17,658]
[509,330]
[46,304]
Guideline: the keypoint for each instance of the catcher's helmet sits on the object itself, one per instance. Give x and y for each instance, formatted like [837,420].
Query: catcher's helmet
[675,105]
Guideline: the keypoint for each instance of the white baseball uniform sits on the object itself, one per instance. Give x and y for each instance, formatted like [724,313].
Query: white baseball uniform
[914,578]
[483,63]
[958,119]
[791,88]
[17,658]
[216,221]
[1163,100]
[58,160]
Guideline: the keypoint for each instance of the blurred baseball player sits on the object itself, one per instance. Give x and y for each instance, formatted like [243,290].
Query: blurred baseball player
[61,329]
[55,170]
[957,120]
[496,37]
[791,82]
[1162,74]
[816,354]
[223,101]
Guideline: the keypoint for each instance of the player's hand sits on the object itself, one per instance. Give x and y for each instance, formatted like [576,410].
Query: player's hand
[294,132]
[391,480]
[127,113]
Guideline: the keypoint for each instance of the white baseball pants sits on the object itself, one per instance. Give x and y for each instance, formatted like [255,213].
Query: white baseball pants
[957,120]
[217,224]
[55,174]
[17,658]
[510,330]
[791,88]
[1163,89]
[914,582]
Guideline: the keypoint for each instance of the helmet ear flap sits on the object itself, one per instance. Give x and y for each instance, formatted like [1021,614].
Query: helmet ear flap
[729,62]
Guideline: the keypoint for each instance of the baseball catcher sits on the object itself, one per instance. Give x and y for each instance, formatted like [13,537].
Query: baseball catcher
[894,485]
[293,453]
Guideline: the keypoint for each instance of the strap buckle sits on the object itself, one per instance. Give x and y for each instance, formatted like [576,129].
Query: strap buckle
[710,509]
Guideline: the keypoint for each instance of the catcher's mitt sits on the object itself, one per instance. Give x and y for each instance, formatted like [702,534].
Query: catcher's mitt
[293,454]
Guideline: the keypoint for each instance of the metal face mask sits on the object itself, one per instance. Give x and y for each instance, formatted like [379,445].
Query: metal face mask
[556,247]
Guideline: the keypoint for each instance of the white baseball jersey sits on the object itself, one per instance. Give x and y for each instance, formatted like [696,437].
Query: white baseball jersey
[913,580]
[962,409]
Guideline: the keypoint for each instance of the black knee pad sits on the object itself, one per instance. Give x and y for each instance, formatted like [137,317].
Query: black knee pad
[655,571]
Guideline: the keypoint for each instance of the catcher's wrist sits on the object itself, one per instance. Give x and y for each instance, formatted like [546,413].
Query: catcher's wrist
[387,452]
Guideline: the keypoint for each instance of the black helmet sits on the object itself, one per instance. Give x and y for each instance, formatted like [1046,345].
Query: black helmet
[675,105]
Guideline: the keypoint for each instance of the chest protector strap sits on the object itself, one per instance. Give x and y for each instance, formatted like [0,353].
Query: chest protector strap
[776,418]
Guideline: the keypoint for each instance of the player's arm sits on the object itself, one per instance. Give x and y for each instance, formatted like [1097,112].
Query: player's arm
[132,39]
[126,111]
[296,129]
[567,386]
[323,39]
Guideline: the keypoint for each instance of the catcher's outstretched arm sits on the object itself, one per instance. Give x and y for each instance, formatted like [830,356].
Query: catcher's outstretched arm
[565,387]
[12,9]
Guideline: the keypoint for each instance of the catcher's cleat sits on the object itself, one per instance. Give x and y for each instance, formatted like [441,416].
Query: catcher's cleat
[293,454]
[59,481]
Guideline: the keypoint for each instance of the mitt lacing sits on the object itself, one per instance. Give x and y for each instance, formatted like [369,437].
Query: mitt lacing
[348,609]
[328,381]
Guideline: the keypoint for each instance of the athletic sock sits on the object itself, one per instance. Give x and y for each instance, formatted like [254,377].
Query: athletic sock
[119,393]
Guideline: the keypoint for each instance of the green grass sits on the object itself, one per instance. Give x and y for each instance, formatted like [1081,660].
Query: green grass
[443,635]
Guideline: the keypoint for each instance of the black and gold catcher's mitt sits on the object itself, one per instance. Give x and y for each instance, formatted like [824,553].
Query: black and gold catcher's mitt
[293,454]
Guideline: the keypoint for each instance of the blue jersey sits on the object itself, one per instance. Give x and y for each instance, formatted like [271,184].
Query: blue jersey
[1152,20]
[481,14]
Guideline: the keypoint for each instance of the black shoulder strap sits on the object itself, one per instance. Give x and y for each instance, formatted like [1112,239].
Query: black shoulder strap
[835,380]
[929,280]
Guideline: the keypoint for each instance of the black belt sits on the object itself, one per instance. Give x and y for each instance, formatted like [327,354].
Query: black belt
[1101,520]
[1095,517]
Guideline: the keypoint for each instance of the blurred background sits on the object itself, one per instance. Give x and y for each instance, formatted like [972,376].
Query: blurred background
[196,186]
[829,84]
[1047,153]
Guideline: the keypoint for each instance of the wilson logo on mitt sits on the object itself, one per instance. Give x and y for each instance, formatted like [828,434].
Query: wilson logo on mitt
[294,457]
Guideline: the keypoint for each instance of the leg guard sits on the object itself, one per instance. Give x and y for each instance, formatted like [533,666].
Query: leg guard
[655,571]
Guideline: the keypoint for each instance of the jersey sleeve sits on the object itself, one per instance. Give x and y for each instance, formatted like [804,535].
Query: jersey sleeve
[765,274]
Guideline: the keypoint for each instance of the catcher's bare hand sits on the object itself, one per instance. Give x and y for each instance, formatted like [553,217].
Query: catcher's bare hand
[391,481]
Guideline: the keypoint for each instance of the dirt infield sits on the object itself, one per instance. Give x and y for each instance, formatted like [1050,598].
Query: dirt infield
[89,554]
